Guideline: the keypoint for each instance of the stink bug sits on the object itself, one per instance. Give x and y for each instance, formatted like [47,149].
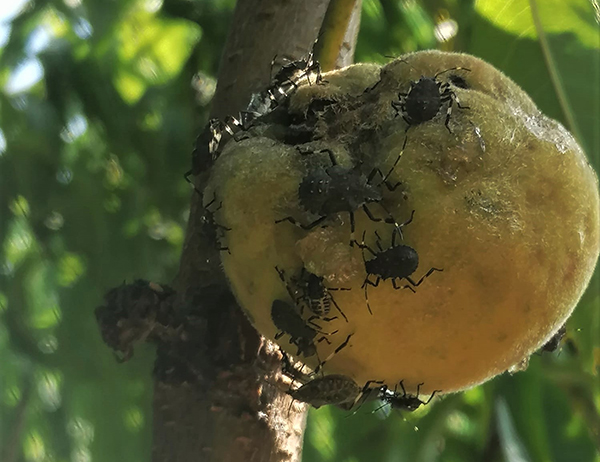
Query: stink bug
[405,402]
[309,290]
[396,263]
[425,98]
[336,189]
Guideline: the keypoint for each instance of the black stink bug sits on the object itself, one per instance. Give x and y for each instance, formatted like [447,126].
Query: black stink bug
[405,402]
[396,263]
[425,98]
[336,189]
[288,321]
[308,290]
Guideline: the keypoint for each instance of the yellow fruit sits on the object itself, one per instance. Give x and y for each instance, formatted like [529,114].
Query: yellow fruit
[506,204]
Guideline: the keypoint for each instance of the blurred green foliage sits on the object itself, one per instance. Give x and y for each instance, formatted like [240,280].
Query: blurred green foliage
[99,106]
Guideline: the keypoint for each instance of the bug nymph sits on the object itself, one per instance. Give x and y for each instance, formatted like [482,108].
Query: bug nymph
[330,389]
[405,402]
[396,263]
[309,290]
[337,189]
[210,141]
[289,322]
[425,98]
[205,150]
[284,84]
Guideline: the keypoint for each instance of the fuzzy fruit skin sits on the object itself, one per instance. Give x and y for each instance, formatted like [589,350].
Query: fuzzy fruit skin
[511,216]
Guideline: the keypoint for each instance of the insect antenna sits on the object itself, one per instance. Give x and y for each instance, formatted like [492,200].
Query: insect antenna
[451,69]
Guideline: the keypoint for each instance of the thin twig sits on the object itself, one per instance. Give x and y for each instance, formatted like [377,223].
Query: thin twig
[337,37]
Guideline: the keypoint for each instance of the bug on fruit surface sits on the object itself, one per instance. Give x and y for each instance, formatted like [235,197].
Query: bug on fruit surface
[337,189]
[302,335]
[309,290]
[397,262]
[426,96]
[405,402]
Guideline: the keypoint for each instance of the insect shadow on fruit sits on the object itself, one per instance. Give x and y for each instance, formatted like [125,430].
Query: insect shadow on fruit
[337,189]
[425,98]
[309,290]
[396,262]
[406,401]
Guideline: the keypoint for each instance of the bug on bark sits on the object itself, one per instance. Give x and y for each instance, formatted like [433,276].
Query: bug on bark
[284,84]
[336,389]
[330,389]
[214,231]
[209,142]
[397,262]
[426,96]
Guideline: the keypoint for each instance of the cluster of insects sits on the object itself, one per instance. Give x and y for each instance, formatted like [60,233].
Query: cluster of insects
[344,392]
[324,193]
[218,133]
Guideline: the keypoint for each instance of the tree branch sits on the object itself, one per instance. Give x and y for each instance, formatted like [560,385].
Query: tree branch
[223,406]
[337,38]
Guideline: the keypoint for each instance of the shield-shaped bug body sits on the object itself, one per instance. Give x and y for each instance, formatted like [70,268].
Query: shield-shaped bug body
[336,389]
[339,189]
[397,262]
[309,290]
[426,96]
[330,389]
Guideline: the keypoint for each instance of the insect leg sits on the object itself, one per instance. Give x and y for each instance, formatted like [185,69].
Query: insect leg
[416,284]
[331,355]
[337,306]
[370,214]
[308,227]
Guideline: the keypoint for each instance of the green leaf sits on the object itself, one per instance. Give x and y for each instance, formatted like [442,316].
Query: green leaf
[551,49]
